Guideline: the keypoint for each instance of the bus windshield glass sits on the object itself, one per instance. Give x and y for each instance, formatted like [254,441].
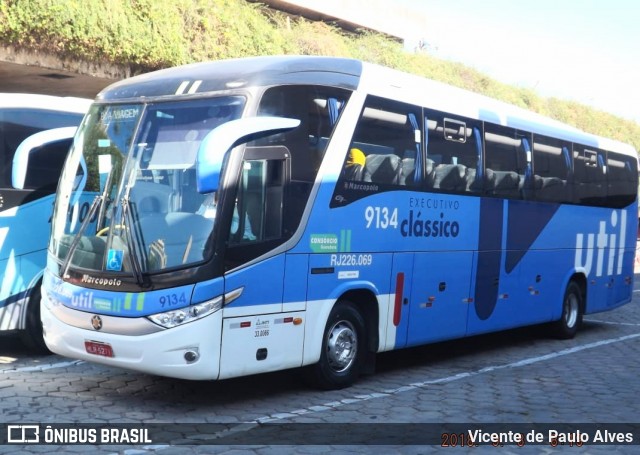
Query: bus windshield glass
[135,165]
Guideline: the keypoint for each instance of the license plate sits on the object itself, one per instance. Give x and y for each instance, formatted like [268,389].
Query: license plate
[96,348]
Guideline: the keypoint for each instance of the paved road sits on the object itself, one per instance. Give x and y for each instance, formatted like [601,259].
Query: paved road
[514,377]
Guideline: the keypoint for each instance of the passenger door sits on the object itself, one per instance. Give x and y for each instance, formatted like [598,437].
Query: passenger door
[258,335]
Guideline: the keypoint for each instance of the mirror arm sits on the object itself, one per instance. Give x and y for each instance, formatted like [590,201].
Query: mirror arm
[220,140]
[21,157]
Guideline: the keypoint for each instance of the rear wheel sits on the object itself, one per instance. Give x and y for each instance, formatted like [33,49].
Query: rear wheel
[572,308]
[32,334]
[343,348]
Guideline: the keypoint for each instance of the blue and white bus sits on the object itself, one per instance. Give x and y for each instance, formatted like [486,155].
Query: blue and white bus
[36,132]
[267,213]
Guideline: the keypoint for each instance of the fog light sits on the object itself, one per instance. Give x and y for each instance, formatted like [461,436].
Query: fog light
[191,356]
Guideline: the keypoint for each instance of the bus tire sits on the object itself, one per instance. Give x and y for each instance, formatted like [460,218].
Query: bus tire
[343,348]
[32,335]
[572,308]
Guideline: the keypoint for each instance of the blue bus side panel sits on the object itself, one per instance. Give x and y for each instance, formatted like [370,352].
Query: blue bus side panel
[295,278]
[26,228]
[489,257]
[24,233]
[510,270]
[207,290]
[400,221]
[610,259]
[441,296]
[509,260]
[331,275]
[623,286]
[442,228]
[19,277]
[12,292]
[537,291]
[262,284]
[527,295]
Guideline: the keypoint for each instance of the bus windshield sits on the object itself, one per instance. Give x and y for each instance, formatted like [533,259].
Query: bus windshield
[136,165]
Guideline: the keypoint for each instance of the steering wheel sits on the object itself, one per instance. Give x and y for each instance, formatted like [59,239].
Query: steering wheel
[104,230]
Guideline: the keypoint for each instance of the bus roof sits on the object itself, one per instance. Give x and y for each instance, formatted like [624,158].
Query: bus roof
[237,73]
[48,102]
[440,96]
[200,78]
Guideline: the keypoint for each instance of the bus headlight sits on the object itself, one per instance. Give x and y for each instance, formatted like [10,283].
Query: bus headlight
[188,314]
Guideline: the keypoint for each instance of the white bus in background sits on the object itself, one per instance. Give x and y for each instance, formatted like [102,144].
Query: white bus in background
[36,132]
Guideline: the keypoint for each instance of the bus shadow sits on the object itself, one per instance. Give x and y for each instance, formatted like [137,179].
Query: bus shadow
[12,346]
[246,393]
[474,351]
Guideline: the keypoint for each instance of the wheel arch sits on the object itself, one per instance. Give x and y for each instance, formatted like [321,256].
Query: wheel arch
[31,330]
[34,284]
[567,324]
[581,280]
[364,297]
[367,304]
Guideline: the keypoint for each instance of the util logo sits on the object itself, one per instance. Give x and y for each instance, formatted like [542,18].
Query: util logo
[83,300]
[607,244]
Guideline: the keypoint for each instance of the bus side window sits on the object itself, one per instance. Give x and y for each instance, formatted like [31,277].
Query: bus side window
[318,108]
[454,153]
[622,179]
[257,224]
[505,161]
[17,124]
[552,167]
[383,168]
[45,165]
[389,136]
[589,176]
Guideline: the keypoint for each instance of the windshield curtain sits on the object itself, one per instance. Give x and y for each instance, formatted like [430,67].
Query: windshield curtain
[127,199]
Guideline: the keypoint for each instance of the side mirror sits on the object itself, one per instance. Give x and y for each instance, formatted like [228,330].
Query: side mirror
[220,140]
[32,145]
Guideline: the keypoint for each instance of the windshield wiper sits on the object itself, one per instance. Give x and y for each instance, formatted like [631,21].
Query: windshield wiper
[76,240]
[134,240]
[105,197]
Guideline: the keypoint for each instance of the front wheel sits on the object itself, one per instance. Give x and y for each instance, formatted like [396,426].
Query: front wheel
[343,348]
[572,309]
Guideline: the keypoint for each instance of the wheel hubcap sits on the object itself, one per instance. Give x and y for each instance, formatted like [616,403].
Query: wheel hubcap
[342,346]
[571,310]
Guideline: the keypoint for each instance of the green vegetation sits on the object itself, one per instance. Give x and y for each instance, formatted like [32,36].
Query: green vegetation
[150,34]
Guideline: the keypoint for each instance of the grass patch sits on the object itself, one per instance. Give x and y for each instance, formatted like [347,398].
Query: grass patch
[151,34]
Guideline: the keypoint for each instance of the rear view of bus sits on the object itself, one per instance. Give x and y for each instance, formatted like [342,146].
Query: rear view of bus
[36,132]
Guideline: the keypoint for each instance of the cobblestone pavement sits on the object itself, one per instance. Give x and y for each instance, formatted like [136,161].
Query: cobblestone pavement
[519,376]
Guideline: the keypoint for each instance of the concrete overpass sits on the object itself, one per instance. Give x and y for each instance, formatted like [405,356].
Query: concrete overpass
[33,72]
